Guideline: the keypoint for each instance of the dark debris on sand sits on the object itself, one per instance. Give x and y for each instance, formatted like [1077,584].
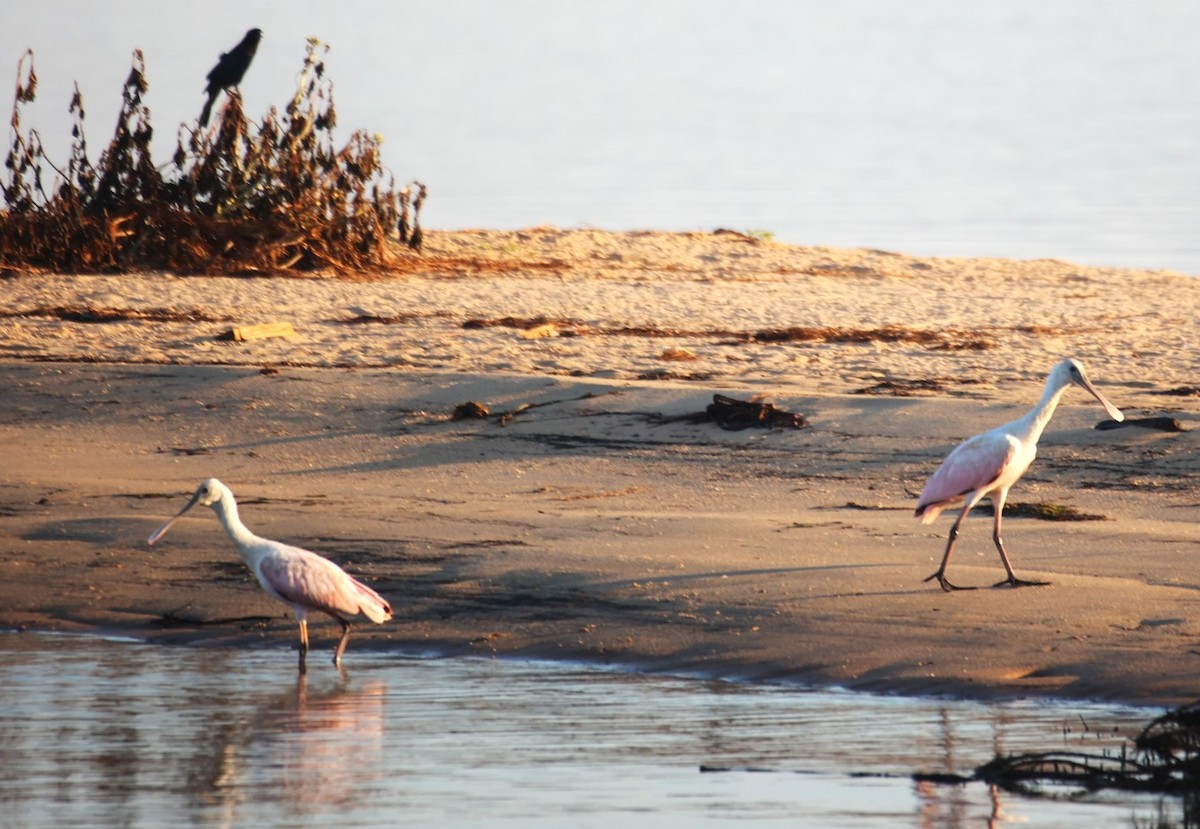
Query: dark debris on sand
[735,415]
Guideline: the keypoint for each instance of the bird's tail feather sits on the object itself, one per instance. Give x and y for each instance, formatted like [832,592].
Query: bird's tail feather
[928,513]
[373,606]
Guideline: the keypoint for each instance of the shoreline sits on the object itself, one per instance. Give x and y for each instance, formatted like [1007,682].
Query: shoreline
[599,525]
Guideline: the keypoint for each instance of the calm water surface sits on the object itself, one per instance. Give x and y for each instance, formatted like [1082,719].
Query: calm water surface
[103,733]
[1017,128]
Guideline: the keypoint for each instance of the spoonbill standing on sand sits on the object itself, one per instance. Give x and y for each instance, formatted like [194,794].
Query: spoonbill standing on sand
[987,465]
[296,577]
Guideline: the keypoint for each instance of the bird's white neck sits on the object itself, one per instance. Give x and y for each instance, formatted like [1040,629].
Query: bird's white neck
[239,533]
[1040,414]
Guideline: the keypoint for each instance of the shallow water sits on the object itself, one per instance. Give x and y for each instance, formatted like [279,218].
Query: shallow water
[97,732]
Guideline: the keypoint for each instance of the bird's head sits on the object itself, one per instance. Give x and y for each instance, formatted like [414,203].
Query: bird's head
[209,493]
[1070,371]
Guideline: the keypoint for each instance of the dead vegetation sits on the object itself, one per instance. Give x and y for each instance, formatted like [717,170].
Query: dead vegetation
[392,319]
[948,340]
[903,388]
[1043,511]
[1164,758]
[940,340]
[240,198]
[88,314]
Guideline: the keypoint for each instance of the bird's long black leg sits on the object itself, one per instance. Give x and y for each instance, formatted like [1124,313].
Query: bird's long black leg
[940,575]
[303,646]
[1012,580]
[341,645]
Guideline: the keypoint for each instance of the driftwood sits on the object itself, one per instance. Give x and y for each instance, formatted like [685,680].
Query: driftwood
[1164,758]
[1162,424]
[726,412]
[735,415]
[245,333]
[471,410]
[730,413]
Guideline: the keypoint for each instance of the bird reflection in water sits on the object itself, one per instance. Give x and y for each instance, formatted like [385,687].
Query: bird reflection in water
[319,741]
[945,806]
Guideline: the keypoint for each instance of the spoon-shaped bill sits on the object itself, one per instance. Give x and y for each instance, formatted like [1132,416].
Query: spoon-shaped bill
[161,531]
[1113,412]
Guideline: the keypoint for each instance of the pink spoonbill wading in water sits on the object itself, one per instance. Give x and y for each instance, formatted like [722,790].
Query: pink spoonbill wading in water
[988,464]
[299,578]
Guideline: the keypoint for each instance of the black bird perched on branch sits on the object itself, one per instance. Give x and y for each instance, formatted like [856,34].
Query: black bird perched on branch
[230,69]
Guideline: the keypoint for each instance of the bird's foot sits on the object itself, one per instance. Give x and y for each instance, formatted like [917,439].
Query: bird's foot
[946,584]
[1013,581]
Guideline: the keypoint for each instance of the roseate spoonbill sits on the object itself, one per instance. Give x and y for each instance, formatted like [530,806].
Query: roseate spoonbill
[988,464]
[296,577]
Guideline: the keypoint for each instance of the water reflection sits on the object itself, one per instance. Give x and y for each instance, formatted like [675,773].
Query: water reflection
[296,749]
[102,733]
[951,806]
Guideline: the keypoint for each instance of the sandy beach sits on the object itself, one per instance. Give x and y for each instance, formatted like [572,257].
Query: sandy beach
[590,516]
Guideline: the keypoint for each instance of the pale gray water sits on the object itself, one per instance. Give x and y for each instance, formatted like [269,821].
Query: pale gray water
[106,733]
[1015,128]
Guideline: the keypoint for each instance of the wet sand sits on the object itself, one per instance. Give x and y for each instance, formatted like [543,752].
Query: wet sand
[601,523]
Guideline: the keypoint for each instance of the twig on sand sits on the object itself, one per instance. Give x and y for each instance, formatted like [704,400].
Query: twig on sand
[472,409]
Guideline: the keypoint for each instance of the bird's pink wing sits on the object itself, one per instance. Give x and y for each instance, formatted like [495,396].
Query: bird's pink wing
[306,579]
[974,464]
